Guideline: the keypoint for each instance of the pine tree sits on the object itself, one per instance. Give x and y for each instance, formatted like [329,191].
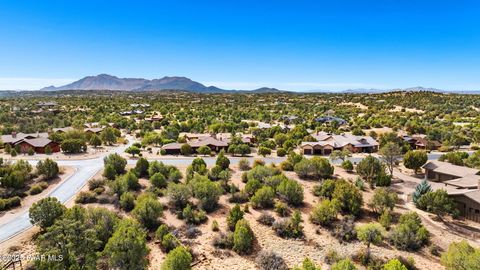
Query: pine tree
[421,189]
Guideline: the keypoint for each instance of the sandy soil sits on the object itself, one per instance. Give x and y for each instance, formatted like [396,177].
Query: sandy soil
[358,105]
[399,109]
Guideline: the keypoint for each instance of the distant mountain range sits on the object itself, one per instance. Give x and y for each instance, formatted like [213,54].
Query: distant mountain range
[113,83]
[109,82]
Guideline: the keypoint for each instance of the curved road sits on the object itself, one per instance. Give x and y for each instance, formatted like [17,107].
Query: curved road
[86,169]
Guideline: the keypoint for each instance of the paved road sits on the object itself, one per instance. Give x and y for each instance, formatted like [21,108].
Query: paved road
[86,169]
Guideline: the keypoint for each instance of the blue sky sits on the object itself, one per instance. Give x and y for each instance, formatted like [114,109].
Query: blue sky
[292,45]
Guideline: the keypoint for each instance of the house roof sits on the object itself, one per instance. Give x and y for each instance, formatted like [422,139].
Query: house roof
[469,193]
[14,138]
[204,141]
[469,181]
[338,141]
[64,129]
[172,146]
[425,141]
[37,142]
[94,129]
[450,169]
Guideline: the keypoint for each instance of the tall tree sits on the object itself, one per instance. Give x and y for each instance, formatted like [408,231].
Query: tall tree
[390,154]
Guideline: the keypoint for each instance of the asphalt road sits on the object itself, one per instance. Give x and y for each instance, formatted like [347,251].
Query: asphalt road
[86,169]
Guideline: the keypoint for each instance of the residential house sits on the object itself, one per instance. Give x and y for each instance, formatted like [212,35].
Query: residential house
[326,143]
[38,145]
[331,119]
[214,144]
[440,171]
[15,137]
[38,141]
[461,184]
[93,130]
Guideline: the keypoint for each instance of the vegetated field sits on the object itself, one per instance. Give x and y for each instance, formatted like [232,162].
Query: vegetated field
[245,216]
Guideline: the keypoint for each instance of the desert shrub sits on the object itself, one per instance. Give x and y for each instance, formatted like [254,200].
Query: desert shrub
[85,197]
[289,228]
[238,197]
[169,242]
[263,198]
[383,200]
[394,264]
[193,216]
[234,215]
[243,237]
[35,189]
[370,233]
[360,184]
[161,231]
[332,257]
[344,230]
[266,219]
[349,197]
[461,255]
[281,152]
[324,213]
[206,191]
[314,168]
[268,260]
[192,231]
[147,210]
[291,191]
[215,226]
[344,264]
[409,234]
[252,186]
[325,189]
[158,180]
[282,209]
[385,219]
[223,241]
[347,165]
[244,164]
[178,259]
[95,183]
[178,194]
[286,166]
[127,201]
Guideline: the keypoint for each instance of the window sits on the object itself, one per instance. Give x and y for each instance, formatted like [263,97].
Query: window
[477,211]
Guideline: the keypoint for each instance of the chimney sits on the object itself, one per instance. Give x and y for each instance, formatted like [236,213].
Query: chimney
[14,134]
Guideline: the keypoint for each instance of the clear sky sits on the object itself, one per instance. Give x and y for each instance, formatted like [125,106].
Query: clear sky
[291,45]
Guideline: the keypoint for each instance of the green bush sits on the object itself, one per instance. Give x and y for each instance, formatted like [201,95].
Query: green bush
[244,164]
[178,259]
[243,237]
[234,216]
[291,191]
[281,152]
[85,197]
[344,264]
[35,189]
[127,201]
[263,198]
[324,213]
[158,180]
[409,234]
[282,209]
